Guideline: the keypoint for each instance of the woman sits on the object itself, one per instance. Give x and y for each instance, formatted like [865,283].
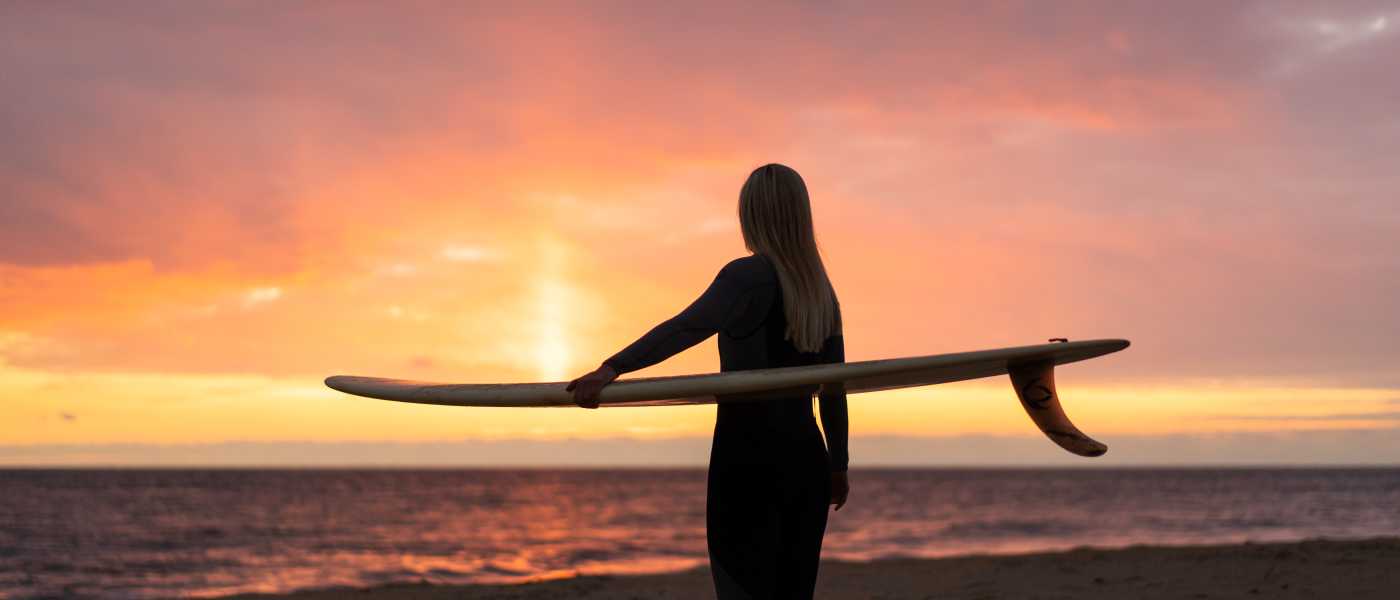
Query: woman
[770,479]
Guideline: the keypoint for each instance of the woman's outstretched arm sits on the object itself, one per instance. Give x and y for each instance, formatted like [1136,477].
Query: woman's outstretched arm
[727,297]
[719,303]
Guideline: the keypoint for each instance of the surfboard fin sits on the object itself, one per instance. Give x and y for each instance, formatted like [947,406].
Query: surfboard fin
[1035,387]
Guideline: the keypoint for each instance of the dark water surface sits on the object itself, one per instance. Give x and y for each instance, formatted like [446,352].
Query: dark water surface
[149,533]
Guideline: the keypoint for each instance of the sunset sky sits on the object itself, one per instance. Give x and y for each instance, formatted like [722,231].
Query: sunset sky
[206,208]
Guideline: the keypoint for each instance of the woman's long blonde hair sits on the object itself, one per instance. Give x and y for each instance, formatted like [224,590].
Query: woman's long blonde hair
[775,215]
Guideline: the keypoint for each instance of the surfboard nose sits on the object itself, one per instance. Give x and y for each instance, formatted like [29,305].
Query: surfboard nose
[337,382]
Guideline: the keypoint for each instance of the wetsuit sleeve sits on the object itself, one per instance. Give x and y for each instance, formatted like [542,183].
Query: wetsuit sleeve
[714,309]
[832,399]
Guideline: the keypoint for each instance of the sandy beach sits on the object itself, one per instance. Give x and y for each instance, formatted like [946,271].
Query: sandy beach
[1310,569]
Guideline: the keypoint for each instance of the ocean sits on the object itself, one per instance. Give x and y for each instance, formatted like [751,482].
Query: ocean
[164,533]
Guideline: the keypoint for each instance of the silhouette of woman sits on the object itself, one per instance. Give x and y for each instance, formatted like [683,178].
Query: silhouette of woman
[771,478]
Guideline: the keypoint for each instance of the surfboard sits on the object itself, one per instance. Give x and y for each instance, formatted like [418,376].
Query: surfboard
[1031,369]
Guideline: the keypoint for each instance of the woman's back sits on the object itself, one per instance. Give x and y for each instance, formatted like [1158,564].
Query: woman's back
[769,430]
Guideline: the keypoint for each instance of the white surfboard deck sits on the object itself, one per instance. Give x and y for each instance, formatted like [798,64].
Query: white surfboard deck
[1031,368]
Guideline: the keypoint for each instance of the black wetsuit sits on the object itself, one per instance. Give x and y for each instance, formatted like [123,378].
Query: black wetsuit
[769,483]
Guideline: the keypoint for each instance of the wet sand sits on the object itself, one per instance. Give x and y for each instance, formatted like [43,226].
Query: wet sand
[1312,569]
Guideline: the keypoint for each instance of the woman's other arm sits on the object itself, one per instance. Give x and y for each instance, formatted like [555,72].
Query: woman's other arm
[832,400]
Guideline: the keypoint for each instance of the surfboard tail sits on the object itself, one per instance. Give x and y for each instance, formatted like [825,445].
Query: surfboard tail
[1035,387]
